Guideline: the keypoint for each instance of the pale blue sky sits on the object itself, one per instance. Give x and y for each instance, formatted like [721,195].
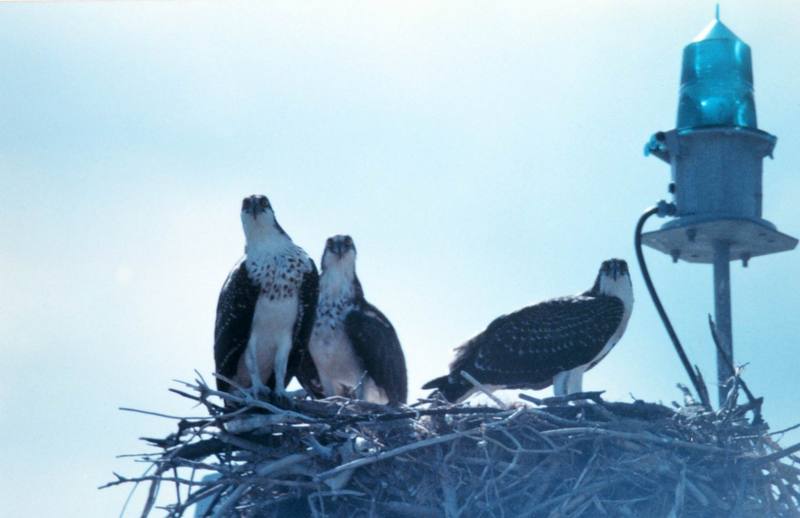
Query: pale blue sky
[482,156]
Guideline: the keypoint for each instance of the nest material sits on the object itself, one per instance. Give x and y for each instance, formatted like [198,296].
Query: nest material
[549,458]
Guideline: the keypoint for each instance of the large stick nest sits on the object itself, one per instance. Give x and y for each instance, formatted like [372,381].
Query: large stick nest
[579,456]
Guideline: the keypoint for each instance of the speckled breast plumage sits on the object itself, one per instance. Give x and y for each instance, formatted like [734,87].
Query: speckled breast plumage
[279,275]
[332,312]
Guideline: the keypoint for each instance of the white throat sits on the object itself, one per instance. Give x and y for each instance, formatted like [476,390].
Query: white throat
[264,238]
[267,245]
[620,287]
[263,233]
[336,282]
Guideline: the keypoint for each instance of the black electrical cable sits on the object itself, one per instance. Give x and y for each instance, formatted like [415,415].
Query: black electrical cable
[699,387]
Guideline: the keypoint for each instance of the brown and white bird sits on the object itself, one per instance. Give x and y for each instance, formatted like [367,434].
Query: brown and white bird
[550,343]
[354,346]
[266,307]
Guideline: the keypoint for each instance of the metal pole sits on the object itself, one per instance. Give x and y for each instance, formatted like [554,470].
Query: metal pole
[722,312]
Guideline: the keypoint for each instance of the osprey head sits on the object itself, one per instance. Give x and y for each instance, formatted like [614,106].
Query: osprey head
[340,253]
[614,279]
[614,268]
[257,216]
[339,268]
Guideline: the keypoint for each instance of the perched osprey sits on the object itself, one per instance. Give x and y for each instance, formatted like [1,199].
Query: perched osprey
[552,342]
[354,346]
[266,308]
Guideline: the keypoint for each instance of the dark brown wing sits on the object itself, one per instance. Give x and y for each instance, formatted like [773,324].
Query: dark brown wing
[235,308]
[528,347]
[375,342]
[300,363]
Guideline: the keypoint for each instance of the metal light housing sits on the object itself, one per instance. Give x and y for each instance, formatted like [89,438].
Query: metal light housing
[716,155]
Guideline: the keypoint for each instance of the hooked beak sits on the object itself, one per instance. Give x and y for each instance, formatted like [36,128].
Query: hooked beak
[338,248]
[618,269]
[252,209]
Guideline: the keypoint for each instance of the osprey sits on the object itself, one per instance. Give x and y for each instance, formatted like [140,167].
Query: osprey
[266,307]
[354,346]
[550,343]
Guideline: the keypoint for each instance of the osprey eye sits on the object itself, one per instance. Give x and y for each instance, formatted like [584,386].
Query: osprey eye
[263,202]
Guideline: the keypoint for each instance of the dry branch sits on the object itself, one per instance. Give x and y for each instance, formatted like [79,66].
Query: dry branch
[574,456]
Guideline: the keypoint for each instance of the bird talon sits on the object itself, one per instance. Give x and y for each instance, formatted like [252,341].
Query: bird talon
[283,399]
[256,392]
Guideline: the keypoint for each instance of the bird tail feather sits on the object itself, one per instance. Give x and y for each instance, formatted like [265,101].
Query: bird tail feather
[436,383]
[450,390]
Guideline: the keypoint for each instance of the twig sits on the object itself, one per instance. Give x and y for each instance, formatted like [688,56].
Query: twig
[552,459]
[728,363]
[667,441]
[784,430]
[558,400]
[167,416]
[388,455]
[263,470]
[767,459]
[479,386]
